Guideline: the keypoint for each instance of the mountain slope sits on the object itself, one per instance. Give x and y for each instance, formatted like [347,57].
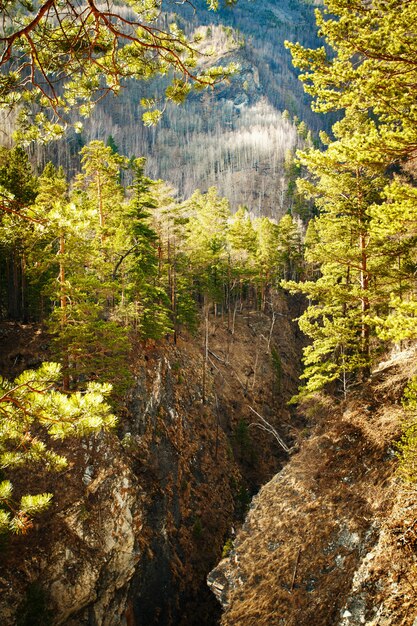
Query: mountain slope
[330,540]
[233,137]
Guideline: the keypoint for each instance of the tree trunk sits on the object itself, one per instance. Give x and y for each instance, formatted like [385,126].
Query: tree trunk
[63,303]
[206,348]
[100,203]
[23,299]
[13,289]
[364,280]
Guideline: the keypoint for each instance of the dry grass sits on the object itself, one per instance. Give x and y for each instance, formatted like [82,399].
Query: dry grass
[185,472]
[311,526]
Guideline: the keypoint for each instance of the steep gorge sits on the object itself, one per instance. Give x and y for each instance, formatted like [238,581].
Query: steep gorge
[330,540]
[141,517]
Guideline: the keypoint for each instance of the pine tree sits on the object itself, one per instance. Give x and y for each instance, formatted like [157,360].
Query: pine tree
[394,231]
[174,265]
[100,187]
[267,257]
[16,176]
[242,247]
[367,75]
[371,69]
[207,241]
[241,235]
[18,188]
[346,293]
[32,415]
[89,346]
[289,247]
[151,296]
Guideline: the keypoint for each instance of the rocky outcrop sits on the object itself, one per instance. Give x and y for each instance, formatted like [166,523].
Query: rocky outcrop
[141,517]
[83,559]
[330,540]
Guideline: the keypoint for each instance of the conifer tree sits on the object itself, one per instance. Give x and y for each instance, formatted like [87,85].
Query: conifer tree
[267,256]
[289,247]
[207,241]
[241,234]
[89,346]
[16,176]
[394,231]
[148,293]
[100,187]
[32,415]
[371,68]
[367,75]
[174,265]
[18,188]
[242,247]
[345,295]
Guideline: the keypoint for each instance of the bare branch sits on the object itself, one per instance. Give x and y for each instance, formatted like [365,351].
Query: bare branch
[267,427]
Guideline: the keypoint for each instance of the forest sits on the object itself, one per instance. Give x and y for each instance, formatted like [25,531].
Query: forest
[232,137]
[110,255]
[107,256]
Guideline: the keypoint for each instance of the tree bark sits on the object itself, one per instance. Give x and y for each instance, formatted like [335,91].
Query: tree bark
[63,303]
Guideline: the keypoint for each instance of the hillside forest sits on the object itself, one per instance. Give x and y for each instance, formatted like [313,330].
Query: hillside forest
[232,137]
[108,256]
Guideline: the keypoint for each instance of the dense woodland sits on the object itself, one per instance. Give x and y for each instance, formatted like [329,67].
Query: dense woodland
[110,256]
[242,150]
[364,184]
[232,137]
[111,253]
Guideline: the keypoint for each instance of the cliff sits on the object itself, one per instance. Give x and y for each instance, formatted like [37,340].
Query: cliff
[142,515]
[330,540]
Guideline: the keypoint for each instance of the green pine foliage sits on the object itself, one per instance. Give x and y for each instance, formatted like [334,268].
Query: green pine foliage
[90,347]
[141,263]
[32,415]
[18,189]
[371,67]
[407,446]
[111,254]
[344,296]
[16,176]
[79,54]
[207,240]
[267,257]
[289,247]
[360,249]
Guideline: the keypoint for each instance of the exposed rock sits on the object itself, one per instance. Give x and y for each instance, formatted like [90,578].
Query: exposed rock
[330,540]
[140,519]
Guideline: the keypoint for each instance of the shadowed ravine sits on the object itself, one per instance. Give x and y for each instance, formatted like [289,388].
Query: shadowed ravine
[142,517]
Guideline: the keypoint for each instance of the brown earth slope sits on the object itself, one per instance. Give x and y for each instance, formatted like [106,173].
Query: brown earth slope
[141,515]
[331,540]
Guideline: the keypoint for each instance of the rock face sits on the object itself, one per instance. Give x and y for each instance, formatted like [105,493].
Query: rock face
[331,539]
[141,517]
[83,558]
[112,535]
